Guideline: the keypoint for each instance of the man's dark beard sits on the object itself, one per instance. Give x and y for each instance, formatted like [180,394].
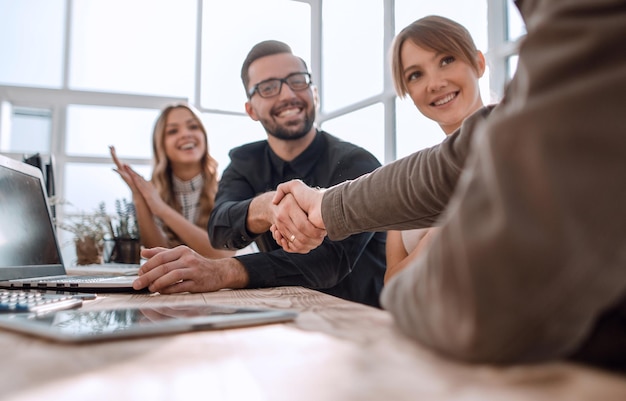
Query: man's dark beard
[284,133]
[287,135]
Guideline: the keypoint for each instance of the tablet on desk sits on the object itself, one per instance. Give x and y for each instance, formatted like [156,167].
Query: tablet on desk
[106,324]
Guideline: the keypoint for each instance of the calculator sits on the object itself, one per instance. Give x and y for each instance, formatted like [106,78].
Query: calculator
[19,301]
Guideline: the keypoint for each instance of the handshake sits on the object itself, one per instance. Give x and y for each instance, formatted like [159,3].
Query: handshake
[298,226]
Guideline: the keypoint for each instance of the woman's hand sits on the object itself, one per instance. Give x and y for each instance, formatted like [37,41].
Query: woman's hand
[139,186]
[147,191]
[122,171]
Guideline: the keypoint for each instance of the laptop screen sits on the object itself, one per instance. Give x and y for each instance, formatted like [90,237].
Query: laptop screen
[27,237]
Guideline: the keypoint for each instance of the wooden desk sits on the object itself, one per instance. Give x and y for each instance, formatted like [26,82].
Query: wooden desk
[335,350]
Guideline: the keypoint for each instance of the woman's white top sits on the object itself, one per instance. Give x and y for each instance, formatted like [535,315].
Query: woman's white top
[188,195]
[410,238]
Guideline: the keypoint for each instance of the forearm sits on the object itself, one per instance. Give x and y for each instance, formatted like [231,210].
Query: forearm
[408,193]
[333,261]
[239,214]
[150,233]
[227,225]
[260,216]
[235,274]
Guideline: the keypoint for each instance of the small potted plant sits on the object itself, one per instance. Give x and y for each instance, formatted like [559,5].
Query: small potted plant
[90,231]
[125,232]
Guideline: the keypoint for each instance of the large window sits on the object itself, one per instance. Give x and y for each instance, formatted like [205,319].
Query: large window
[141,46]
[231,28]
[32,42]
[34,126]
[79,75]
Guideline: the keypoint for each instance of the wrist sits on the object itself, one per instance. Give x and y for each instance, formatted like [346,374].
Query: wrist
[237,275]
[260,217]
[316,216]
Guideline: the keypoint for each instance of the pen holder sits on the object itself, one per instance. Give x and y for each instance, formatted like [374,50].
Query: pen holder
[125,250]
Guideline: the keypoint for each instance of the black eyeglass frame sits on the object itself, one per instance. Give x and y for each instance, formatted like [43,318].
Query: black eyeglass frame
[281,81]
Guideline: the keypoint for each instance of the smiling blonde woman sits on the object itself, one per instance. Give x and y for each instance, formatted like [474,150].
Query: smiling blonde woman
[173,208]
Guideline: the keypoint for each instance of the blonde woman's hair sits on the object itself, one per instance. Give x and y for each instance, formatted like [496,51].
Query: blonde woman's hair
[162,171]
[435,33]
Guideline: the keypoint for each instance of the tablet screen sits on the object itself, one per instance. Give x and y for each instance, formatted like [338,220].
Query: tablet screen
[86,325]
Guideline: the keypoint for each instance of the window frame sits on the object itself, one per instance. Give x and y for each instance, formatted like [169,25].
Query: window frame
[57,100]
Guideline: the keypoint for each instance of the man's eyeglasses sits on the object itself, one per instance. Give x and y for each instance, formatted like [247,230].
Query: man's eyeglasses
[297,81]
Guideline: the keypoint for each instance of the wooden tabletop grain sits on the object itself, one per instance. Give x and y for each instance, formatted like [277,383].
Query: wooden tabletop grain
[334,350]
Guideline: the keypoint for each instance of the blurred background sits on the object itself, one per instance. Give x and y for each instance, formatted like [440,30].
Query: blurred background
[79,75]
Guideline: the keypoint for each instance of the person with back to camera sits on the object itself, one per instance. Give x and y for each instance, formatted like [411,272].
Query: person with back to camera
[529,263]
[282,98]
[434,61]
[173,208]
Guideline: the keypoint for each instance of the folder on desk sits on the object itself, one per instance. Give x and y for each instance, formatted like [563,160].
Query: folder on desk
[30,255]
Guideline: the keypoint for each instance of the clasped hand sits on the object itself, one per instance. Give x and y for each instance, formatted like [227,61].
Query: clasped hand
[298,226]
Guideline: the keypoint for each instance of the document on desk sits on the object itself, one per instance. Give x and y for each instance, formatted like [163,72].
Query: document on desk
[108,324]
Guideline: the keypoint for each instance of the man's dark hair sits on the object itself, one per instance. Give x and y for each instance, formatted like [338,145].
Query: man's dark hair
[260,50]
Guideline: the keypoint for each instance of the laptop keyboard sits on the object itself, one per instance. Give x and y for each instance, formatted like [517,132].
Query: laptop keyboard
[35,302]
[72,279]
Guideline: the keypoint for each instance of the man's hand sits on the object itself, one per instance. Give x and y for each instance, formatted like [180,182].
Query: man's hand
[181,269]
[298,226]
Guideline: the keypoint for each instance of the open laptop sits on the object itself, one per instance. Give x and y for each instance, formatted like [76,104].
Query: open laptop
[30,255]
